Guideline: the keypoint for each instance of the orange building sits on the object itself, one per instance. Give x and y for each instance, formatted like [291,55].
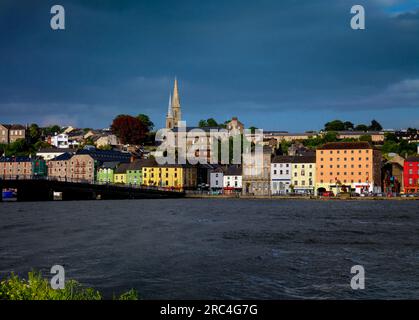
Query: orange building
[348,166]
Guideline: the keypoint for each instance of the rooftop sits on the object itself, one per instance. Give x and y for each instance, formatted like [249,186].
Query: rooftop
[56,150]
[294,159]
[122,168]
[233,171]
[63,157]
[345,145]
[15,159]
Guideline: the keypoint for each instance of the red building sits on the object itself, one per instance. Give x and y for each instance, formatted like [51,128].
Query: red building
[411,175]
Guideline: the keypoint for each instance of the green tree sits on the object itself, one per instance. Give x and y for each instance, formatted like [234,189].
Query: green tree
[390,136]
[146,121]
[330,137]
[335,125]
[208,123]
[34,133]
[365,138]
[361,127]
[347,125]
[40,144]
[202,123]
[375,126]
[212,123]
[51,130]
[252,129]
[390,146]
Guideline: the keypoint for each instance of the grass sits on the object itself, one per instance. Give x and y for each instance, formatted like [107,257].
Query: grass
[38,288]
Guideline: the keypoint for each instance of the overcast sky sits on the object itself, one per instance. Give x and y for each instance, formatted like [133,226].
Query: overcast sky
[279,65]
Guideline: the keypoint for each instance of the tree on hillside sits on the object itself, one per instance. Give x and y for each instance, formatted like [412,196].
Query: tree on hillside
[211,122]
[202,123]
[330,137]
[51,130]
[335,125]
[361,127]
[375,126]
[390,136]
[208,123]
[34,133]
[129,130]
[145,119]
[348,125]
[252,129]
[366,138]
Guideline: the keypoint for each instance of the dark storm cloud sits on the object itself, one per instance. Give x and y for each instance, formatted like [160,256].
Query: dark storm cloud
[261,61]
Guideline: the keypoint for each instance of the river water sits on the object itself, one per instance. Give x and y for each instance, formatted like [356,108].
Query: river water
[219,248]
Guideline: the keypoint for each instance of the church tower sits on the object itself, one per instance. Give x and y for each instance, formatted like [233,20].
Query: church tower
[177,115]
[169,117]
[174,114]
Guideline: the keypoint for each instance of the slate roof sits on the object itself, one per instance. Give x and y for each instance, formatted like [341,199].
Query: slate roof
[345,145]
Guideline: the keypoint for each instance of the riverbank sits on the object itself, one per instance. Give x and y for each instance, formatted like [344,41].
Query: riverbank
[207,196]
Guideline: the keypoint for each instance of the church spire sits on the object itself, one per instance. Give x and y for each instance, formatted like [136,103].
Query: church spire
[169,108]
[176,104]
[169,117]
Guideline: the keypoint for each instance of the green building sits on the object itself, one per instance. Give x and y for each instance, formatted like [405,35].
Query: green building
[134,173]
[39,168]
[106,172]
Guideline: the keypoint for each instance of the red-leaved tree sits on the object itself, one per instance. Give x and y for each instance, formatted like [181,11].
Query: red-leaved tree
[129,130]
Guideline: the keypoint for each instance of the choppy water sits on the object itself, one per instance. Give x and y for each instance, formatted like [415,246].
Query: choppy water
[190,249]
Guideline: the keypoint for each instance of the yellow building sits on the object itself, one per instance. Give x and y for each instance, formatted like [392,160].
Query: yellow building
[170,176]
[303,174]
[120,175]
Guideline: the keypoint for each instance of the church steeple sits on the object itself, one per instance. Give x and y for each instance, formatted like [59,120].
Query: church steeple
[177,115]
[169,117]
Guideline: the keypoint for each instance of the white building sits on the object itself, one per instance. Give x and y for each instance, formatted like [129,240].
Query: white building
[216,179]
[60,140]
[281,175]
[232,179]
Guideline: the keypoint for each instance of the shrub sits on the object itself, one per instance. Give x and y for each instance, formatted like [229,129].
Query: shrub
[39,288]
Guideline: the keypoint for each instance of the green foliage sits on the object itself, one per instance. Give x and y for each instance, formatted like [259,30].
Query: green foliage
[375,126]
[41,144]
[361,127]
[392,144]
[145,119]
[208,123]
[335,125]
[129,295]
[51,130]
[330,137]
[252,129]
[106,147]
[34,133]
[20,147]
[339,125]
[365,138]
[284,146]
[314,142]
[39,288]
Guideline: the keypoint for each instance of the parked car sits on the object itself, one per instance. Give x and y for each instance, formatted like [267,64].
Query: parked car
[328,194]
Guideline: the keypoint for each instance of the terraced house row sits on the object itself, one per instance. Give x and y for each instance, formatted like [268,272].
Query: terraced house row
[147,172]
[338,167]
